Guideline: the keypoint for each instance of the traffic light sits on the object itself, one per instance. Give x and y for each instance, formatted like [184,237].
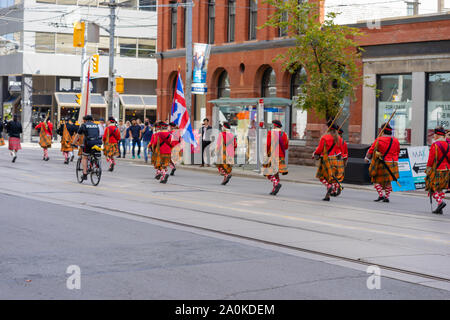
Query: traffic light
[119,85]
[78,34]
[95,59]
[79,98]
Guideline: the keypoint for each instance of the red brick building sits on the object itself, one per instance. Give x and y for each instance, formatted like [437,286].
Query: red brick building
[403,58]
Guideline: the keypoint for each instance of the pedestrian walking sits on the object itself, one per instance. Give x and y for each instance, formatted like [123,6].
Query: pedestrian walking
[101,126]
[225,150]
[383,169]
[122,146]
[14,129]
[162,148]
[66,140]
[45,136]
[276,145]
[331,166]
[438,169]
[2,140]
[111,138]
[206,141]
[135,135]
[146,134]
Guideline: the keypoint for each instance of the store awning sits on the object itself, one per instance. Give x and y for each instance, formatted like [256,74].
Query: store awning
[12,101]
[268,102]
[69,99]
[134,101]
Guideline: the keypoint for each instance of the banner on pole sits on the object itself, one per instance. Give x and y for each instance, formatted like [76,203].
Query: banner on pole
[201,58]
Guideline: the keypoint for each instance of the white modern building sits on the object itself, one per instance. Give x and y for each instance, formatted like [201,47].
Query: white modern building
[40,69]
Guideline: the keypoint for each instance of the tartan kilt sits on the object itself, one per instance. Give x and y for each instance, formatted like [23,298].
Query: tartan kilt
[45,141]
[337,165]
[111,150]
[66,146]
[14,144]
[226,167]
[381,174]
[280,167]
[437,182]
[162,160]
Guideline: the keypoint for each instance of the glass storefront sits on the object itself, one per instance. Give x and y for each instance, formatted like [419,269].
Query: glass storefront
[438,103]
[395,94]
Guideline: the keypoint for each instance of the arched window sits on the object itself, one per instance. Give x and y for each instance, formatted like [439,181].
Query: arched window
[296,82]
[224,85]
[299,117]
[269,83]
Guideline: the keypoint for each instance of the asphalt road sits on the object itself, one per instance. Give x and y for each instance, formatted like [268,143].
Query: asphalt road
[133,238]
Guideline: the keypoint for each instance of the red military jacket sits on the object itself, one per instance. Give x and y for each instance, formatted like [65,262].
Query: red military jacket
[49,129]
[329,140]
[283,144]
[383,146]
[114,134]
[344,149]
[443,150]
[165,142]
[230,147]
[176,137]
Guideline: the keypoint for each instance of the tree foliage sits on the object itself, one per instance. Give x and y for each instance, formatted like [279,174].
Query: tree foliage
[326,51]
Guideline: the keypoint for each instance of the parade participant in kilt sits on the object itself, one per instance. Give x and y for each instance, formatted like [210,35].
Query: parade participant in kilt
[73,129]
[438,169]
[156,128]
[161,146]
[276,145]
[64,131]
[176,146]
[383,168]
[225,149]
[14,129]
[111,138]
[331,168]
[45,136]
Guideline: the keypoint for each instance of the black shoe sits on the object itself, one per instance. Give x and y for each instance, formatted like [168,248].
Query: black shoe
[173,171]
[439,208]
[386,200]
[164,180]
[46,159]
[327,195]
[71,158]
[111,167]
[379,199]
[226,180]
[158,176]
[14,159]
[119,156]
[277,188]
[84,177]
[66,161]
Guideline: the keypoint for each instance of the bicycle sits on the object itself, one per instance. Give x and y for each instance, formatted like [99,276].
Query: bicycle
[94,168]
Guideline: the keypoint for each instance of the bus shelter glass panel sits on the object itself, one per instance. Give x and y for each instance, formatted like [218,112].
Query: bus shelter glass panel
[244,124]
[438,103]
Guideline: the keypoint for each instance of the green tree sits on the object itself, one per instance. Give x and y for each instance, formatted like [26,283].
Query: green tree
[326,51]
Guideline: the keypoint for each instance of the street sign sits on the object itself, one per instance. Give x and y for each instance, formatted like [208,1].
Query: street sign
[412,163]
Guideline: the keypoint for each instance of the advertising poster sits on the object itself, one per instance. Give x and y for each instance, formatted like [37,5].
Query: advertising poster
[201,58]
[412,163]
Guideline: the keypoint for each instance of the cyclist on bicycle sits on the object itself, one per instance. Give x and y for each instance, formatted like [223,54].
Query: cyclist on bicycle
[92,138]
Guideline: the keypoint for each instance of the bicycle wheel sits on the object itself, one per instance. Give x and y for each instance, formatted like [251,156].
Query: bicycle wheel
[79,171]
[96,172]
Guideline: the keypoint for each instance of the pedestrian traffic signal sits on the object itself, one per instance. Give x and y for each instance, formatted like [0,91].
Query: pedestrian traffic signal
[119,85]
[78,34]
[95,59]
[79,98]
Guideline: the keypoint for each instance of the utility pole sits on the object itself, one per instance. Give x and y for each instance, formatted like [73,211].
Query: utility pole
[83,58]
[189,54]
[112,108]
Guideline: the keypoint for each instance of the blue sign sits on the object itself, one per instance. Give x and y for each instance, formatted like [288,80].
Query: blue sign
[412,163]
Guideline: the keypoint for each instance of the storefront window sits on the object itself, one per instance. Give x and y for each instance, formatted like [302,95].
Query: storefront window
[395,94]
[438,103]
[299,116]
[131,114]
[98,113]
